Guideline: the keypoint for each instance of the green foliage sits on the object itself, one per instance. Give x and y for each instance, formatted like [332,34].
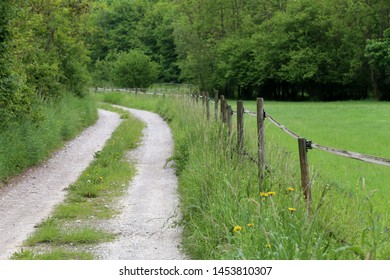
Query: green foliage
[49,47]
[27,142]
[42,55]
[279,49]
[122,26]
[134,69]
[378,53]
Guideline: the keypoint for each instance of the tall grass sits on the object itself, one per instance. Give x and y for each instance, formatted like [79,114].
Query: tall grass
[226,217]
[27,142]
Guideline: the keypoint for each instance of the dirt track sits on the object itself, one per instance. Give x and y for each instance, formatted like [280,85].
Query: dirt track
[146,227]
[29,198]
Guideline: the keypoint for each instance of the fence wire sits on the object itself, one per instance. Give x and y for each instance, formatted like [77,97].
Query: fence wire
[338,152]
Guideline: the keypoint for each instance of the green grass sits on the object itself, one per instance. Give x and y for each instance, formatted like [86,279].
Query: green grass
[51,231]
[57,254]
[89,200]
[27,142]
[219,190]
[355,126]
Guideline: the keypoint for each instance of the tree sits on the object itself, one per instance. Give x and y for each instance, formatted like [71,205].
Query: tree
[378,54]
[134,69]
[14,102]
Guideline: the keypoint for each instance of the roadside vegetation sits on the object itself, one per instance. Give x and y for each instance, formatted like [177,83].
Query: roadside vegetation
[28,142]
[73,227]
[226,217]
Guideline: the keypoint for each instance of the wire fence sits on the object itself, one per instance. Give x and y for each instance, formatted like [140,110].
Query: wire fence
[225,111]
[335,151]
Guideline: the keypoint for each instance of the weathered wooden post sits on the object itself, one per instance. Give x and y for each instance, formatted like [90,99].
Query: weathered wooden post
[240,126]
[303,146]
[216,104]
[207,105]
[260,140]
[222,108]
[229,119]
[225,110]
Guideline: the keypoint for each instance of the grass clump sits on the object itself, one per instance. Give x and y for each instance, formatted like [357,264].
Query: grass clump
[58,254]
[51,231]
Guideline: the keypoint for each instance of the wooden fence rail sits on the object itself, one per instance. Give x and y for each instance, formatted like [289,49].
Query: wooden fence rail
[303,144]
[225,116]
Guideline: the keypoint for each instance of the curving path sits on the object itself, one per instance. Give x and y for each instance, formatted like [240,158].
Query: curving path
[29,198]
[147,226]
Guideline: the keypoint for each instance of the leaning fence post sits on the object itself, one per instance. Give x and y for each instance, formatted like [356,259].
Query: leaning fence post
[260,140]
[240,126]
[304,163]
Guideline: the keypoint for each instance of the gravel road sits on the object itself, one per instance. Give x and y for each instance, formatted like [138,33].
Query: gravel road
[29,198]
[147,226]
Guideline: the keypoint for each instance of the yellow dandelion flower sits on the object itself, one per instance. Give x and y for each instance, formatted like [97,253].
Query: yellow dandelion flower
[292,209]
[237,229]
[290,189]
[250,225]
[267,245]
[264,194]
[271,193]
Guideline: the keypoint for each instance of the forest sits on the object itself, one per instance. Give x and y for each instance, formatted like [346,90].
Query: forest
[278,49]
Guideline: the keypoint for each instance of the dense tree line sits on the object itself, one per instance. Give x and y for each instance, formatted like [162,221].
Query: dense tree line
[42,54]
[325,49]
[280,49]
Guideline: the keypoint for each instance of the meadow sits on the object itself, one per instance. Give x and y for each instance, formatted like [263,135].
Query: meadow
[226,217]
[362,127]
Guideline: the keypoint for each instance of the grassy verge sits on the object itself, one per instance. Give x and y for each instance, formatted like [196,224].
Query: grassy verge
[226,217]
[74,225]
[27,143]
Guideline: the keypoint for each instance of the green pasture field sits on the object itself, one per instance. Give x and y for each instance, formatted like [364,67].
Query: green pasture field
[362,127]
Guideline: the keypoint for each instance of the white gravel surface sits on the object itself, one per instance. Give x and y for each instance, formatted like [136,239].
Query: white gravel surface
[147,226]
[29,198]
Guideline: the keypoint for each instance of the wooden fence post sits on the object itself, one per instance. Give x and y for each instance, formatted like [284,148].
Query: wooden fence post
[225,110]
[216,104]
[222,108]
[260,140]
[229,119]
[240,126]
[207,106]
[304,163]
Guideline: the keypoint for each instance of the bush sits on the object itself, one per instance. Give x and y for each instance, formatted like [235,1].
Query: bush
[134,69]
